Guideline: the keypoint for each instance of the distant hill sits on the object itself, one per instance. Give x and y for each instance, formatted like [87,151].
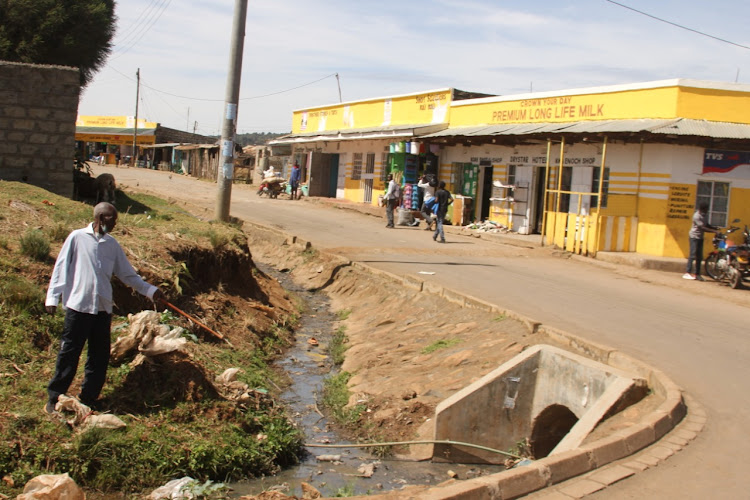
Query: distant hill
[257,138]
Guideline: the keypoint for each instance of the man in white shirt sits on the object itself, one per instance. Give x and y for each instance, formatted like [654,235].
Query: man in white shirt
[83,270]
[392,195]
[428,190]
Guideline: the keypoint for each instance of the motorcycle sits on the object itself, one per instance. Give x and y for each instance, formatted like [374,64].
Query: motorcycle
[729,261]
[271,189]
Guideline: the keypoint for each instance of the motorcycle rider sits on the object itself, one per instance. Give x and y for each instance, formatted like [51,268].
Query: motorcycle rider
[699,227]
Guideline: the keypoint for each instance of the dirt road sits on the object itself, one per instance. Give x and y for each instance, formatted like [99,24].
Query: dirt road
[695,332]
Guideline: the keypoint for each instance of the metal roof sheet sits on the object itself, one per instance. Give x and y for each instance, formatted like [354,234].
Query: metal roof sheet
[387,132]
[678,126]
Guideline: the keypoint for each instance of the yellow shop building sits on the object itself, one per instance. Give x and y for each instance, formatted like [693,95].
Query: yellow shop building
[616,168]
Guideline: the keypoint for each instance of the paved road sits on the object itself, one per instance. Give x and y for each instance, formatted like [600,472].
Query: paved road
[697,333]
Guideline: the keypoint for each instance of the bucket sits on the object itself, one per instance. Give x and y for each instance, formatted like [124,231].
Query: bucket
[401,147]
[414,148]
[392,147]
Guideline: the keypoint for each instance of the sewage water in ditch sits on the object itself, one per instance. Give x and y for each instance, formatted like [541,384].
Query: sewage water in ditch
[308,366]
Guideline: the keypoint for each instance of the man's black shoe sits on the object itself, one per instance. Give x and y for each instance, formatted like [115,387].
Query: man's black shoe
[49,408]
[94,405]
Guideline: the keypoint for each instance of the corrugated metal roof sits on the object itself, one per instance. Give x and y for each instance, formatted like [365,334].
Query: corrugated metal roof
[388,131]
[679,126]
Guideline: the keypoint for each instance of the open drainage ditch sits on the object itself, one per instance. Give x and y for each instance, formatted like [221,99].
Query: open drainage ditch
[307,367]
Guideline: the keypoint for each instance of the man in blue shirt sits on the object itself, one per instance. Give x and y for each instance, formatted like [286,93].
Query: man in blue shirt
[294,180]
[81,277]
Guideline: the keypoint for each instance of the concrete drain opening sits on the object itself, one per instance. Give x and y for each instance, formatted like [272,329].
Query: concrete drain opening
[546,396]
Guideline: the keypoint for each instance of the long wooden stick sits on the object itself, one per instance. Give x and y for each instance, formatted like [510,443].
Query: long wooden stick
[183,313]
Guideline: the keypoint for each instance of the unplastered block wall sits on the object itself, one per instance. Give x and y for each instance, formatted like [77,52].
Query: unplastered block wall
[38,109]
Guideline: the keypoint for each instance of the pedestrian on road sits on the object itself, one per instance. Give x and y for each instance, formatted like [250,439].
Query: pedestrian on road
[81,276]
[392,196]
[444,198]
[117,158]
[294,180]
[428,185]
[700,226]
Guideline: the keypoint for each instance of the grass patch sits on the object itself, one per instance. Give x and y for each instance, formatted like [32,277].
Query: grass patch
[309,254]
[500,317]
[336,397]
[209,439]
[440,344]
[338,347]
[343,314]
[35,244]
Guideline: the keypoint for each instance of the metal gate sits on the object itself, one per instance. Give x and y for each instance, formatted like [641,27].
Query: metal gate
[368,177]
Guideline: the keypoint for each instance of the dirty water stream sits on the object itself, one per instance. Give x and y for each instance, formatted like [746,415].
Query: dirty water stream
[307,366]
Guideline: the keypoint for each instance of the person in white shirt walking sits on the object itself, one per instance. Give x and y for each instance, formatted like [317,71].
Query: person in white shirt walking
[81,277]
[392,197]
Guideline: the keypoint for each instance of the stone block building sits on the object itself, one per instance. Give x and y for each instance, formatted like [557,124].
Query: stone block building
[38,108]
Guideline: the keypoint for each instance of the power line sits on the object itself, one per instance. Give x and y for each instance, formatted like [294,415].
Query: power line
[128,30]
[679,25]
[243,98]
[144,29]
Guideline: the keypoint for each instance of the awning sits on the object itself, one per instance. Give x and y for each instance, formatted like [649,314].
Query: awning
[190,147]
[385,132]
[162,145]
[115,135]
[674,127]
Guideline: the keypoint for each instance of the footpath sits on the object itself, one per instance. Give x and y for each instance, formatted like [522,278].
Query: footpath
[522,240]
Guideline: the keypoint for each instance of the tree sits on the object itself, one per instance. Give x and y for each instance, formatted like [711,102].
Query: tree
[74,33]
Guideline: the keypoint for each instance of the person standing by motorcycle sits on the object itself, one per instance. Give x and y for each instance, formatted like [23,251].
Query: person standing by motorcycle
[294,180]
[699,227]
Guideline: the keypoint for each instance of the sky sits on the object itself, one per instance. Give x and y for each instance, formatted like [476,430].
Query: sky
[293,50]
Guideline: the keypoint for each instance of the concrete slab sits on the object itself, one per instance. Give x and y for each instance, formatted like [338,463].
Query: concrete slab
[524,397]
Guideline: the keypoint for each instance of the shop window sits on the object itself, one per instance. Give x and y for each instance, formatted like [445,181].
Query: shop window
[384,167]
[357,166]
[511,180]
[716,196]
[595,188]
[457,171]
[370,165]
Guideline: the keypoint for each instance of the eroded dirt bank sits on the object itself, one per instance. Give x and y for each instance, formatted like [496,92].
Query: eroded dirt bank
[408,350]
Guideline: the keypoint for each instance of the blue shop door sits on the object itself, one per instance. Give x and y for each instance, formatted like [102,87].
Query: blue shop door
[334,176]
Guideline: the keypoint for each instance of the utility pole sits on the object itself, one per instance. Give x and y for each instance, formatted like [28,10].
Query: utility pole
[339,85]
[228,130]
[135,126]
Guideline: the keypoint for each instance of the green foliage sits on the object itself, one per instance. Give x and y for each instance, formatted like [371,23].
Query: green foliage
[309,254]
[35,244]
[345,491]
[500,317]
[336,397]
[217,240]
[74,33]
[208,490]
[338,346]
[20,295]
[343,314]
[440,344]
[59,232]
[166,436]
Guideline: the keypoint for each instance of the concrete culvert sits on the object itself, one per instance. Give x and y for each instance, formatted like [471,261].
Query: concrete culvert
[552,424]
